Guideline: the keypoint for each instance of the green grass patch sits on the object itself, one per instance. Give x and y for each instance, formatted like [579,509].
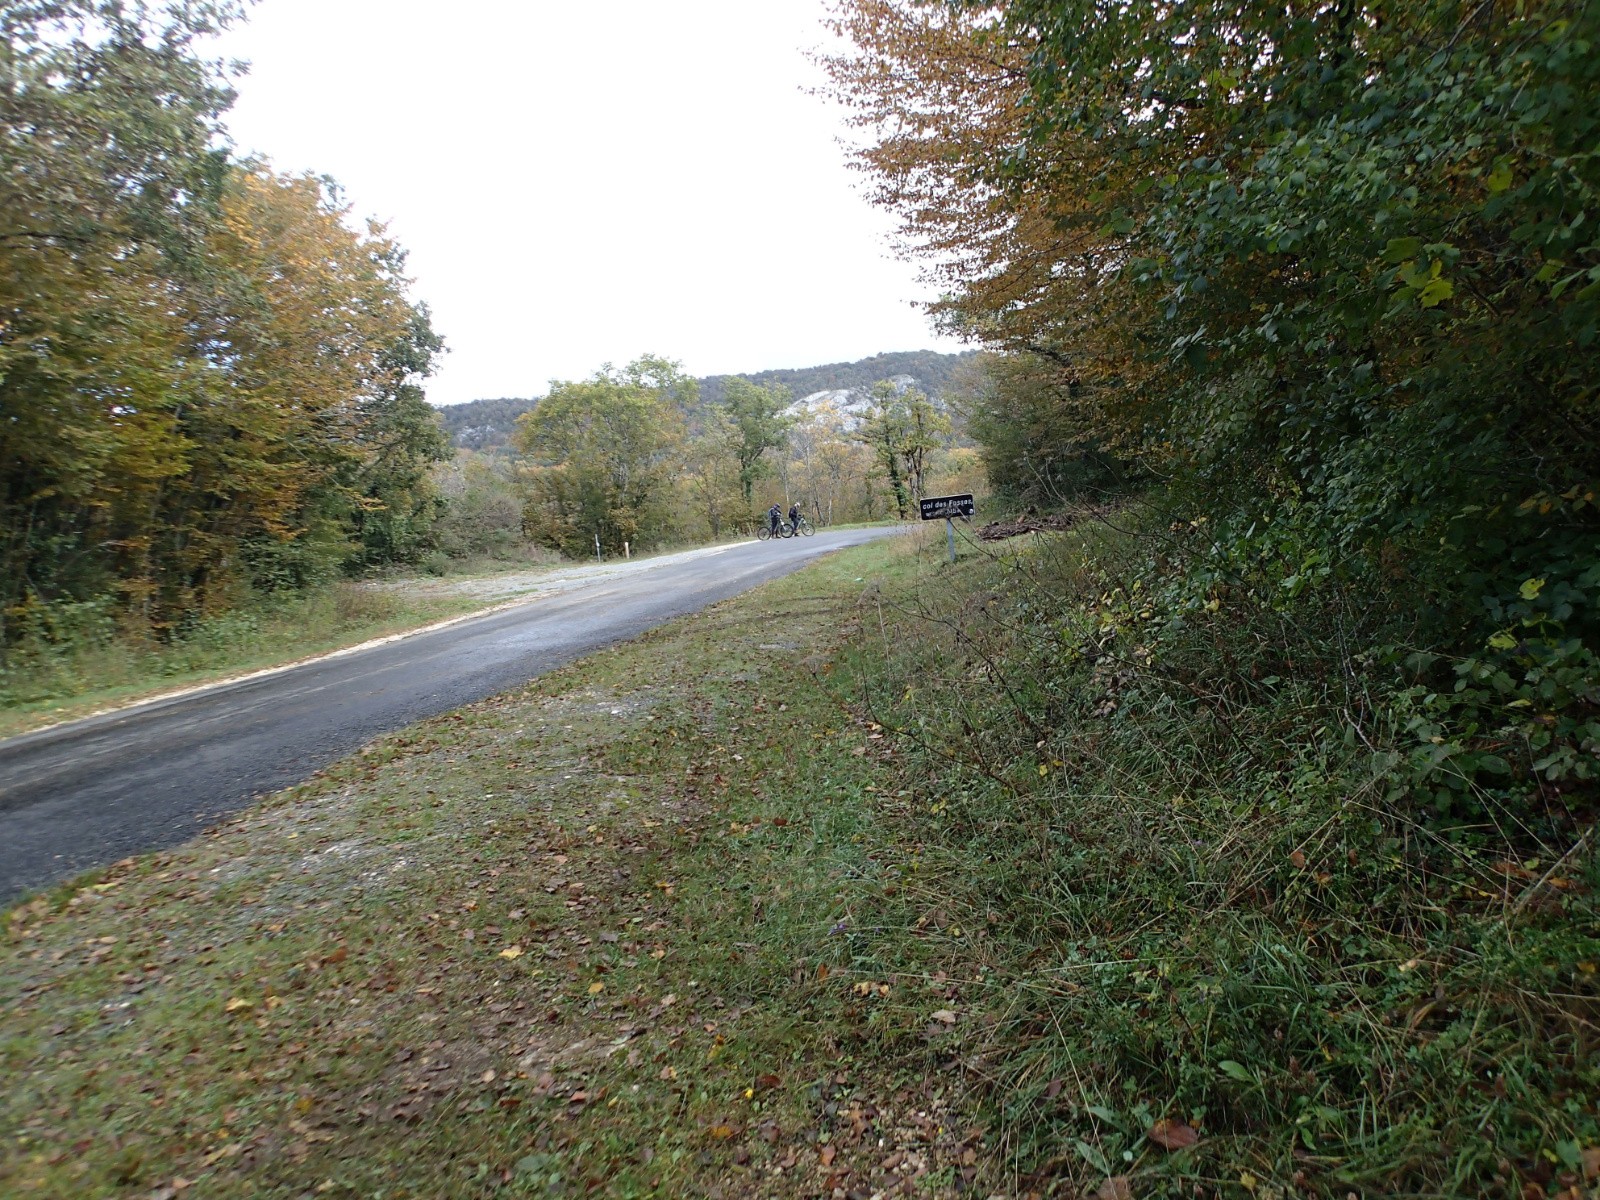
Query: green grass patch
[593,936]
[43,683]
[890,877]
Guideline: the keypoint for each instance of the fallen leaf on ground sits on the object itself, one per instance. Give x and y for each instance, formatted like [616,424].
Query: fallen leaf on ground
[511,952]
[596,988]
[1115,1188]
[1172,1135]
[827,1154]
[236,1003]
[945,1016]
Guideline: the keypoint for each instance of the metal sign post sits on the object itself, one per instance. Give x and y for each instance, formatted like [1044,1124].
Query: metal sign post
[947,508]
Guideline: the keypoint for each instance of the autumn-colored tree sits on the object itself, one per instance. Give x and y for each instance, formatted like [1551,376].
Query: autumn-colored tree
[712,477]
[1315,259]
[208,380]
[828,462]
[1025,263]
[108,179]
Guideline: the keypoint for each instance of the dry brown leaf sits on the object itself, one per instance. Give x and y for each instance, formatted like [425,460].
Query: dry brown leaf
[945,1016]
[1172,1135]
[1115,1188]
[722,1132]
[1591,1163]
[1298,858]
[827,1154]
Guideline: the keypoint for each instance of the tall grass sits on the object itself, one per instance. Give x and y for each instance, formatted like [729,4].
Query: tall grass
[77,654]
[1197,888]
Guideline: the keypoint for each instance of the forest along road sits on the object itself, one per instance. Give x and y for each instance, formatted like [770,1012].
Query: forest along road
[90,792]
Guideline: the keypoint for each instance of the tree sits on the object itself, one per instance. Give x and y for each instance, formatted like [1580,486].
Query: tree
[711,472]
[209,380]
[482,505]
[307,408]
[886,429]
[1328,270]
[756,414]
[927,430]
[903,428]
[108,181]
[401,437]
[603,453]
[1023,414]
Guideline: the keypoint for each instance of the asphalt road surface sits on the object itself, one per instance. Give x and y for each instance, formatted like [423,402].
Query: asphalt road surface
[88,793]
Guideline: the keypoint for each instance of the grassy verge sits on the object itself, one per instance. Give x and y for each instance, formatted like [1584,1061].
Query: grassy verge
[888,878]
[44,685]
[86,671]
[599,934]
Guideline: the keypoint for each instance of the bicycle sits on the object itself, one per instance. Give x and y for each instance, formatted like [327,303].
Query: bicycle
[785,530]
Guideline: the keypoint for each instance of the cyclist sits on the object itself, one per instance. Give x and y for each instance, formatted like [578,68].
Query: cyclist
[774,515]
[794,517]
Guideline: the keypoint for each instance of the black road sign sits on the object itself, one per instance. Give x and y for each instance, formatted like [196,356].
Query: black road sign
[937,508]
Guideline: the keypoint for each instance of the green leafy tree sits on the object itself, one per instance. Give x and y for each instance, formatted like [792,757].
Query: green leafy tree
[887,429]
[756,413]
[482,505]
[903,428]
[602,456]
[401,438]
[927,430]
[1331,271]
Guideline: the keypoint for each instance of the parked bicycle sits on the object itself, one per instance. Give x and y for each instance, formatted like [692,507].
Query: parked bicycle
[785,530]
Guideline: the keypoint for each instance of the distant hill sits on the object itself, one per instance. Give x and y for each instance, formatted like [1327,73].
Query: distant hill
[487,424]
[483,424]
[930,369]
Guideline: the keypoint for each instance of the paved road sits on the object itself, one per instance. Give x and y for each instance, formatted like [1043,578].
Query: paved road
[91,792]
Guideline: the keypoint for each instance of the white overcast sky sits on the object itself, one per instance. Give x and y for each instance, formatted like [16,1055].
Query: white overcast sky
[580,182]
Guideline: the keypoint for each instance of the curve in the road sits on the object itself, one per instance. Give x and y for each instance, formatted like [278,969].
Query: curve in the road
[87,793]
